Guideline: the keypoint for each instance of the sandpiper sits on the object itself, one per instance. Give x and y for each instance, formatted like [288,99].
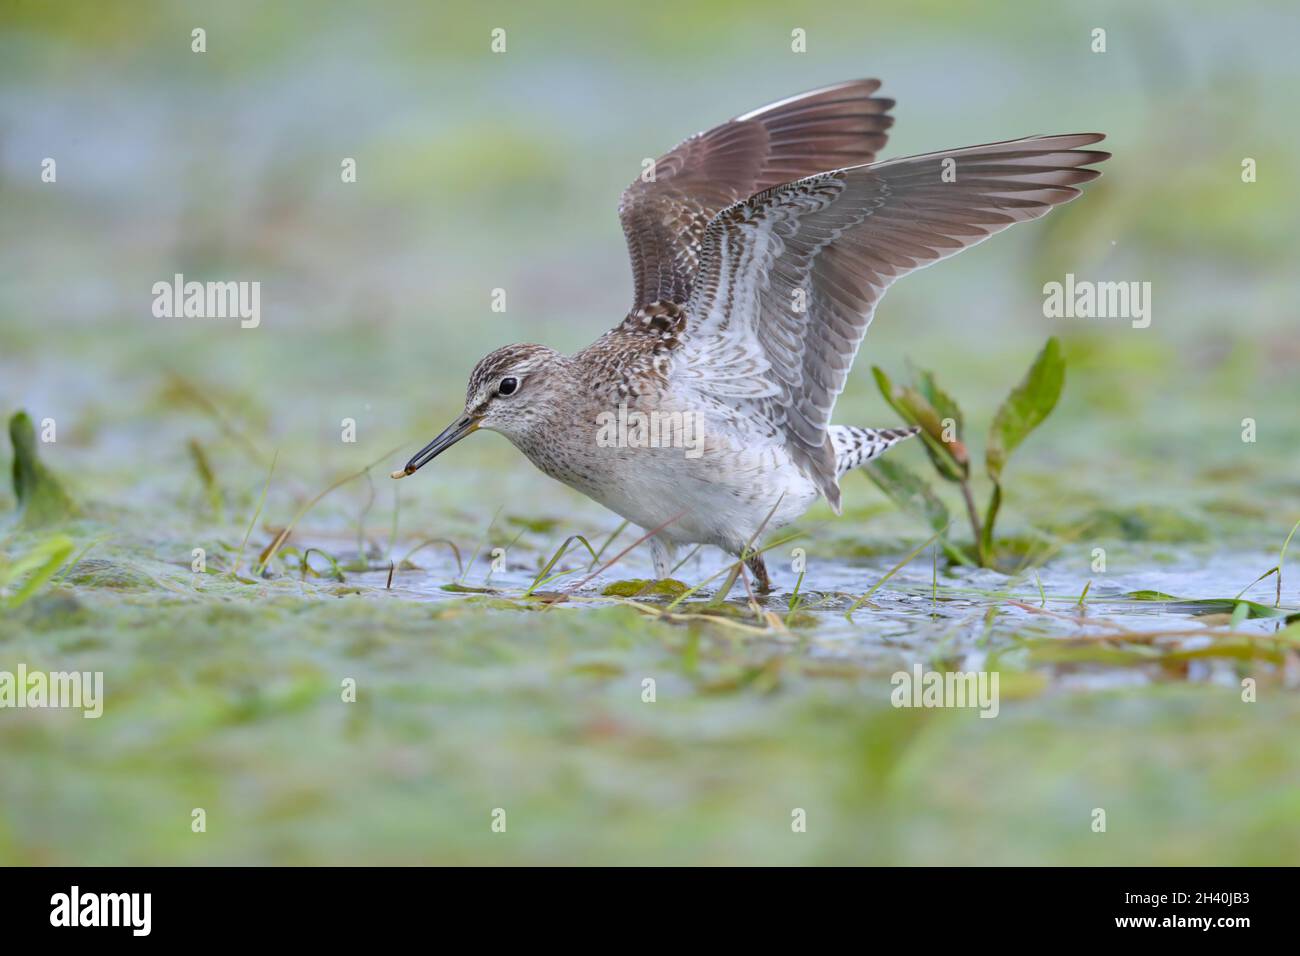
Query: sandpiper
[759,250]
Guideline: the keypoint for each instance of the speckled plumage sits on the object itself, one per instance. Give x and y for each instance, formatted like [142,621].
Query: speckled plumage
[759,252]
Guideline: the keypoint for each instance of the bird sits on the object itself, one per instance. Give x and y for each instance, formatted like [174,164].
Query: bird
[760,250]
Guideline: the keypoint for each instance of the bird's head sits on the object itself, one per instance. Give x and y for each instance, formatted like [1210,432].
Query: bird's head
[509,391]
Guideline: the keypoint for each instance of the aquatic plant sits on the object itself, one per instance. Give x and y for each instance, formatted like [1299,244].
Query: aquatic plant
[922,402]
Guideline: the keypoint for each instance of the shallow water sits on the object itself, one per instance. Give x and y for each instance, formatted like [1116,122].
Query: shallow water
[934,613]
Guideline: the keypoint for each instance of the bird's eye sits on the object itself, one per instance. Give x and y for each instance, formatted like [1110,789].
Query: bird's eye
[507,386]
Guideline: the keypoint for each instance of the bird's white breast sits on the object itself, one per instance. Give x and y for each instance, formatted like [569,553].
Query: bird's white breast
[716,486]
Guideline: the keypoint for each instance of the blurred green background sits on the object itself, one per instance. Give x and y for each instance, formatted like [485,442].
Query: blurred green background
[479,171]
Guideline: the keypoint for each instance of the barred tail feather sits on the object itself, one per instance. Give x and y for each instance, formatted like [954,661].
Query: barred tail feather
[855,447]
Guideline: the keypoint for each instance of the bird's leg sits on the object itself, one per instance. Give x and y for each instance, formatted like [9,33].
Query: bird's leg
[759,570]
[663,553]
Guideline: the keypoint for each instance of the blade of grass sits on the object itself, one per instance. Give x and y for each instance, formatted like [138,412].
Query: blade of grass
[397,507]
[690,554]
[283,536]
[492,568]
[892,571]
[41,561]
[745,554]
[1281,559]
[76,560]
[460,566]
[196,395]
[361,519]
[1270,571]
[619,557]
[796,602]
[608,541]
[239,557]
[542,575]
[487,536]
[727,567]
[934,576]
[207,477]
[334,564]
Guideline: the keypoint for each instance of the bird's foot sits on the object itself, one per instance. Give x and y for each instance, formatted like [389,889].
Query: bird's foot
[762,583]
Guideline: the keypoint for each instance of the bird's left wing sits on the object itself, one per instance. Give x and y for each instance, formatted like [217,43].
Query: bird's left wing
[790,278]
[666,211]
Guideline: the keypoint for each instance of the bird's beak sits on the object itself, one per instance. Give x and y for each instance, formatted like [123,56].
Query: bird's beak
[450,435]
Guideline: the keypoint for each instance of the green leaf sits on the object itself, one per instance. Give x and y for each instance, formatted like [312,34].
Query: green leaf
[1238,609]
[42,561]
[1149,596]
[41,499]
[457,588]
[1025,408]
[885,385]
[949,460]
[945,407]
[924,382]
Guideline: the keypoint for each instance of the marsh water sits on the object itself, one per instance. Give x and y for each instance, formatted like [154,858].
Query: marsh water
[927,610]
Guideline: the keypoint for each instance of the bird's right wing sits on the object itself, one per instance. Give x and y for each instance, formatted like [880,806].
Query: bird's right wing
[790,277]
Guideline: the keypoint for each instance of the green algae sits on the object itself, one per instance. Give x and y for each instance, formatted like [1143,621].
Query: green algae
[642,587]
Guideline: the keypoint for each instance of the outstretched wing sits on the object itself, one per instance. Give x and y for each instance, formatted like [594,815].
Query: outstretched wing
[664,218]
[790,277]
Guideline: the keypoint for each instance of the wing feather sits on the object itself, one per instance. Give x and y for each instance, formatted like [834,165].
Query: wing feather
[664,220]
[790,277]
